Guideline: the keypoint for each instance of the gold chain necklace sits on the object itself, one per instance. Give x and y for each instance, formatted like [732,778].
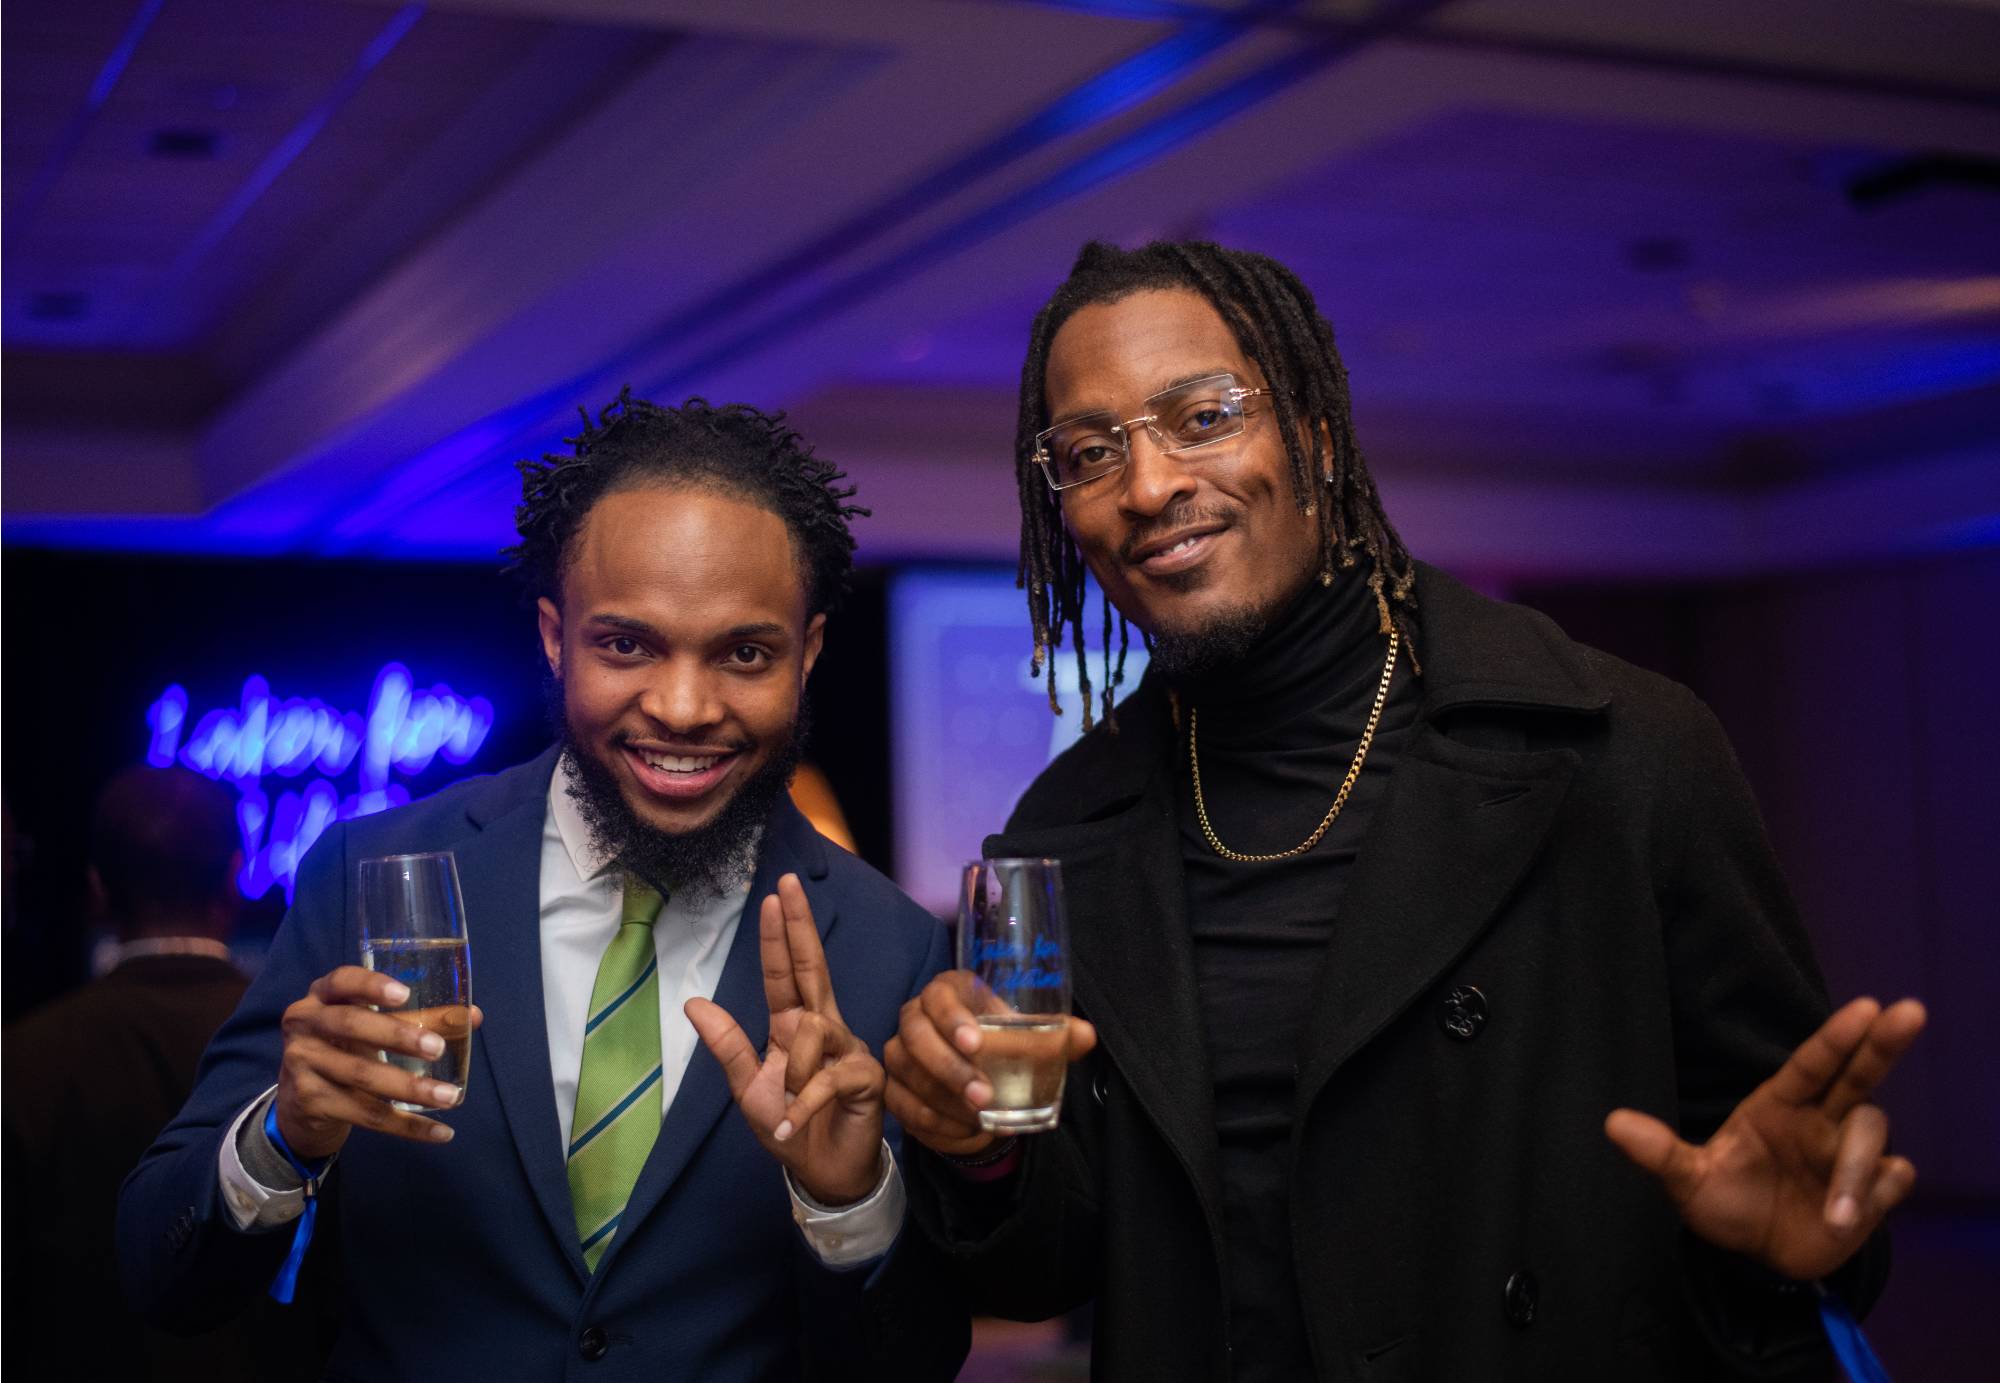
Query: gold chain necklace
[1339,798]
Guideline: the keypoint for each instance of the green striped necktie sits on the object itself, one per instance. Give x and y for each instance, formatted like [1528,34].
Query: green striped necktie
[618,1090]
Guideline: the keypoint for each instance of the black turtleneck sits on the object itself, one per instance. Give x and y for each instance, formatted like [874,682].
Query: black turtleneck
[1277,733]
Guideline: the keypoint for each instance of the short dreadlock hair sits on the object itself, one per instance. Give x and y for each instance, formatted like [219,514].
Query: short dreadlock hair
[1277,325]
[735,449]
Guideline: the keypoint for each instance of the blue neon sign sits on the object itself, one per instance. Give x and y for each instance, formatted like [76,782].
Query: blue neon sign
[403,731]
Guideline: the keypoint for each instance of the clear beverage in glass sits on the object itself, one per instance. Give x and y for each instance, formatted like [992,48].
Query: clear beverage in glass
[412,916]
[1012,937]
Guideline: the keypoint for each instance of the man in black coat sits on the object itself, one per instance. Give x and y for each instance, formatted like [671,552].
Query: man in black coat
[1392,909]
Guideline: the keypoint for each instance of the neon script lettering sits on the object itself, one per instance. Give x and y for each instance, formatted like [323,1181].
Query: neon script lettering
[403,731]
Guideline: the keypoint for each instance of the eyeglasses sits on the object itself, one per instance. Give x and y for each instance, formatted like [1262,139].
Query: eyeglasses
[1197,414]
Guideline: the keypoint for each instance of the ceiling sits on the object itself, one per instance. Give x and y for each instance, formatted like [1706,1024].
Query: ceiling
[1674,287]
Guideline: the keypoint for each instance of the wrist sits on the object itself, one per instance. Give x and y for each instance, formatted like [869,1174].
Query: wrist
[308,1162]
[846,1191]
[996,1160]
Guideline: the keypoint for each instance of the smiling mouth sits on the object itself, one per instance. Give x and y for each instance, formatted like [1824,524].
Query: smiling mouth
[679,776]
[1179,555]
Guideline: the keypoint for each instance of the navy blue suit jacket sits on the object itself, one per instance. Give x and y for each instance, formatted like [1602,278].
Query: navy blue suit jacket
[461,1261]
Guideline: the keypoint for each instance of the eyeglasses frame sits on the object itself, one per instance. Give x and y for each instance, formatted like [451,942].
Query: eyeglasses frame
[1237,395]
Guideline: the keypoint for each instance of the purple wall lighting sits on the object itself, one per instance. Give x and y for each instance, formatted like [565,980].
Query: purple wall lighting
[402,732]
[971,723]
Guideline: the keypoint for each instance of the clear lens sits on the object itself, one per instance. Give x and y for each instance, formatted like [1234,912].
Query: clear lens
[1084,448]
[1196,414]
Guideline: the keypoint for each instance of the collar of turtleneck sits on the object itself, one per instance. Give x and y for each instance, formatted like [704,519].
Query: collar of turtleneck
[1324,651]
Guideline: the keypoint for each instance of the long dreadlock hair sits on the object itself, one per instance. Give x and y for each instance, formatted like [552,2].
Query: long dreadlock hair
[734,448]
[1277,325]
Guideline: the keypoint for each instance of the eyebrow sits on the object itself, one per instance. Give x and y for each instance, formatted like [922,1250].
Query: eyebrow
[759,629]
[1176,382]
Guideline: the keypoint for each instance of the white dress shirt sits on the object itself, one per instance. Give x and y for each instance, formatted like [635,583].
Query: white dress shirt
[581,910]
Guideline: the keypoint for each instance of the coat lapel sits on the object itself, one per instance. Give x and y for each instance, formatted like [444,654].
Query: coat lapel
[1131,954]
[500,870]
[1455,834]
[790,846]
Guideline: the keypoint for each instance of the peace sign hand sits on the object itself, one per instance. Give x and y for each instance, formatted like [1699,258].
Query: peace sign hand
[1796,1177]
[814,1100]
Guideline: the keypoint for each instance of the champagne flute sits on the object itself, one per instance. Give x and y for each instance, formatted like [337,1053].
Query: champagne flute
[1012,938]
[412,916]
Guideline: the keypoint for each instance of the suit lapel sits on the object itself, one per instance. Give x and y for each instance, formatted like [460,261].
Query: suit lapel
[1456,832]
[1133,964]
[790,846]
[500,870]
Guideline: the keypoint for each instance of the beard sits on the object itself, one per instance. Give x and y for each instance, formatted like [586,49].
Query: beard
[1224,640]
[701,864]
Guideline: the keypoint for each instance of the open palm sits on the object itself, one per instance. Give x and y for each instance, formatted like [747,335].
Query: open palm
[1798,1176]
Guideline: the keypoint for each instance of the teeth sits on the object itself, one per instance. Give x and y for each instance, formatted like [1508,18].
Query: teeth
[676,763]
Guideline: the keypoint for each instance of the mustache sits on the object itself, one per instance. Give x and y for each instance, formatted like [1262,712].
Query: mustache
[1179,516]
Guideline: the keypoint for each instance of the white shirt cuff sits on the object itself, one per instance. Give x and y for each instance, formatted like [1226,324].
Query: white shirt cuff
[253,1206]
[852,1234]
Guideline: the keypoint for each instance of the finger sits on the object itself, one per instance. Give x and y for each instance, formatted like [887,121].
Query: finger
[322,1100]
[1863,1136]
[1881,1047]
[806,1053]
[946,1072]
[1808,1072]
[924,1121]
[351,984]
[1080,1038]
[726,1042]
[781,990]
[370,1075]
[360,1030]
[948,1097]
[808,957]
[1655,1148]
[852,1080]
[944,999]
[1893,1181]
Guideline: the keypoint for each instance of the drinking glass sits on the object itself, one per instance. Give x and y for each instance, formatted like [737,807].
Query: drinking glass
[412,916]
[1012,938]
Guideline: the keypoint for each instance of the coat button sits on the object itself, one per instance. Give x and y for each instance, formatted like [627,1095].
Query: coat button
[1463,1013]
[593,1344]
[1519,1299]
[1097,1088]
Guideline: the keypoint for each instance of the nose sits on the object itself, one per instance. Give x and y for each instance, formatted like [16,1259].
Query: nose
[1152,479]
[681,697]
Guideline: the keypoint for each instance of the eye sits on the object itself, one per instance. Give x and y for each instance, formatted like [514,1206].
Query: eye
[624,645]
[748,655]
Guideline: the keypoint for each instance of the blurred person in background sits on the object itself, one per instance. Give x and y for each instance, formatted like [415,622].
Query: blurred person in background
[1392,909]
[92,1078]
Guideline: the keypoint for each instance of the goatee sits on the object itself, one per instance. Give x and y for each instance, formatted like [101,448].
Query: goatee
[697,865]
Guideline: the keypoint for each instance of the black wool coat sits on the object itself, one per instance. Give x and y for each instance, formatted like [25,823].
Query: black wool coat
[1566,903]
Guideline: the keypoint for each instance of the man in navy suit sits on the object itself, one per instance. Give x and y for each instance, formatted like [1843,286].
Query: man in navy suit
[586,1206]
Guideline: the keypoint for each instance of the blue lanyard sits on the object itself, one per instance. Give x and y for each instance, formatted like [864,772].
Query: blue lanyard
[287,1281]
[1850,1346]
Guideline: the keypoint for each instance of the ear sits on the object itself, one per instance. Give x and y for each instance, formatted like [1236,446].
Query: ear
[815,638]
[549,619]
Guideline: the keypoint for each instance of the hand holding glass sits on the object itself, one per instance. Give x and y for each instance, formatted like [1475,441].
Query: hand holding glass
[1012,939]
[412,923]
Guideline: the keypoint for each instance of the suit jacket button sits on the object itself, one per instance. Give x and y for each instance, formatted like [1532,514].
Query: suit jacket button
[1097,1087]
[1520,1298]
[1463,1013]
[593,1344]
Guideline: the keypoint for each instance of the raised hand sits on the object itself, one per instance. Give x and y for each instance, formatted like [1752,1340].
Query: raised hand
[814,1099]
[935,1091]
[1797,1177]
[332,1079]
